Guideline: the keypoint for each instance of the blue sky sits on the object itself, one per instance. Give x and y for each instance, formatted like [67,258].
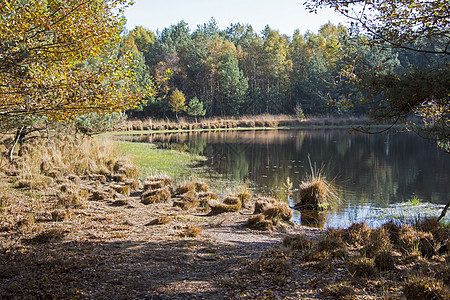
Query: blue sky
[282,15]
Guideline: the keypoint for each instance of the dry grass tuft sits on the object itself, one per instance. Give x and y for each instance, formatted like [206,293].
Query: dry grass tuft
[298,242]
[273,215]
[433,226]
[425,288]
[184,187]
[378,241]
[357,234]
[259,222]
[229,204]
[262,204]
[384,261]
[168,181]
[205,198]
[191,231]
[48,236]
[332,240]
[411,240]
[159,221]
[244,194]
[342,290]
[59,215]
[361,267]
[156,196]
[316,192]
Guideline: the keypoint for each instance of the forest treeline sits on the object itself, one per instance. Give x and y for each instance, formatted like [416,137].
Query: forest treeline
[237,71]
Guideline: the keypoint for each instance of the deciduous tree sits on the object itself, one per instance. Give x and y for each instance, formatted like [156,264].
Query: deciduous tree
[44,48]
[177,102]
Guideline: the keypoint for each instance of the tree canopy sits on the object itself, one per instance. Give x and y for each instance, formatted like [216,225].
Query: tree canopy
[420,85]
[58,60]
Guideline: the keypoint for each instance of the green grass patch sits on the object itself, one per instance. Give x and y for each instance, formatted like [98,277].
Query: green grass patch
[160,161]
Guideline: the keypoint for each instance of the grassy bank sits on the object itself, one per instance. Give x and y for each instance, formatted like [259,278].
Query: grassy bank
[158,161]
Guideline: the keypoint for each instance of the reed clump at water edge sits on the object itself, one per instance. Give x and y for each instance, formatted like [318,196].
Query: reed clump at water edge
[316,192]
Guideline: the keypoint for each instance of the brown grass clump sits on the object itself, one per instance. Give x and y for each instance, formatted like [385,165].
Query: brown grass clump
[316,192]
[191,231]
[201,186]
[244,194]
[384,261]
[393,230]
[168,181]
[280,212]
[361,267]
[122,189]
[120,202]
[153,185]
[190,196]
[357,234]
[184,187]
[378,241]
[126,168]
[187,200]
[425,288]
[342,290]
[48,236]
[298,242]
[155,196]
[411,240]
[272,216]
[332,240]
[433,226]
[76,201]
[160,221]
[183,204]
[229,204]
[259,222]
[262,204]
[58,215]
[205,198]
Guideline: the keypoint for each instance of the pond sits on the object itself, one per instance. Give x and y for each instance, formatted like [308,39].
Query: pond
[379,176]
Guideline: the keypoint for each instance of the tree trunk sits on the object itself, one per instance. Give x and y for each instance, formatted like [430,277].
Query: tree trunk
[18,136]
[444,211]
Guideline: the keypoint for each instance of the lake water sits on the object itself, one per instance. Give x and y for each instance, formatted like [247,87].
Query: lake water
[376,174]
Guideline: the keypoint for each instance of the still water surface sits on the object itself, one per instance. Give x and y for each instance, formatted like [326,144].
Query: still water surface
[376,174]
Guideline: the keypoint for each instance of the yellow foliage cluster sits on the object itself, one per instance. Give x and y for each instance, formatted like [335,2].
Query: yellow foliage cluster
[57,59]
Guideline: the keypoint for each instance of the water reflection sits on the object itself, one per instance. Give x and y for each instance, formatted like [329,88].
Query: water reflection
[374,171]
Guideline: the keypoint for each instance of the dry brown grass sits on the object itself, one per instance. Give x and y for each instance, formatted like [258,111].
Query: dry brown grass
[316,192]
[269,214]
[425,288]
[261,121]
[191,231]
[229,204]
